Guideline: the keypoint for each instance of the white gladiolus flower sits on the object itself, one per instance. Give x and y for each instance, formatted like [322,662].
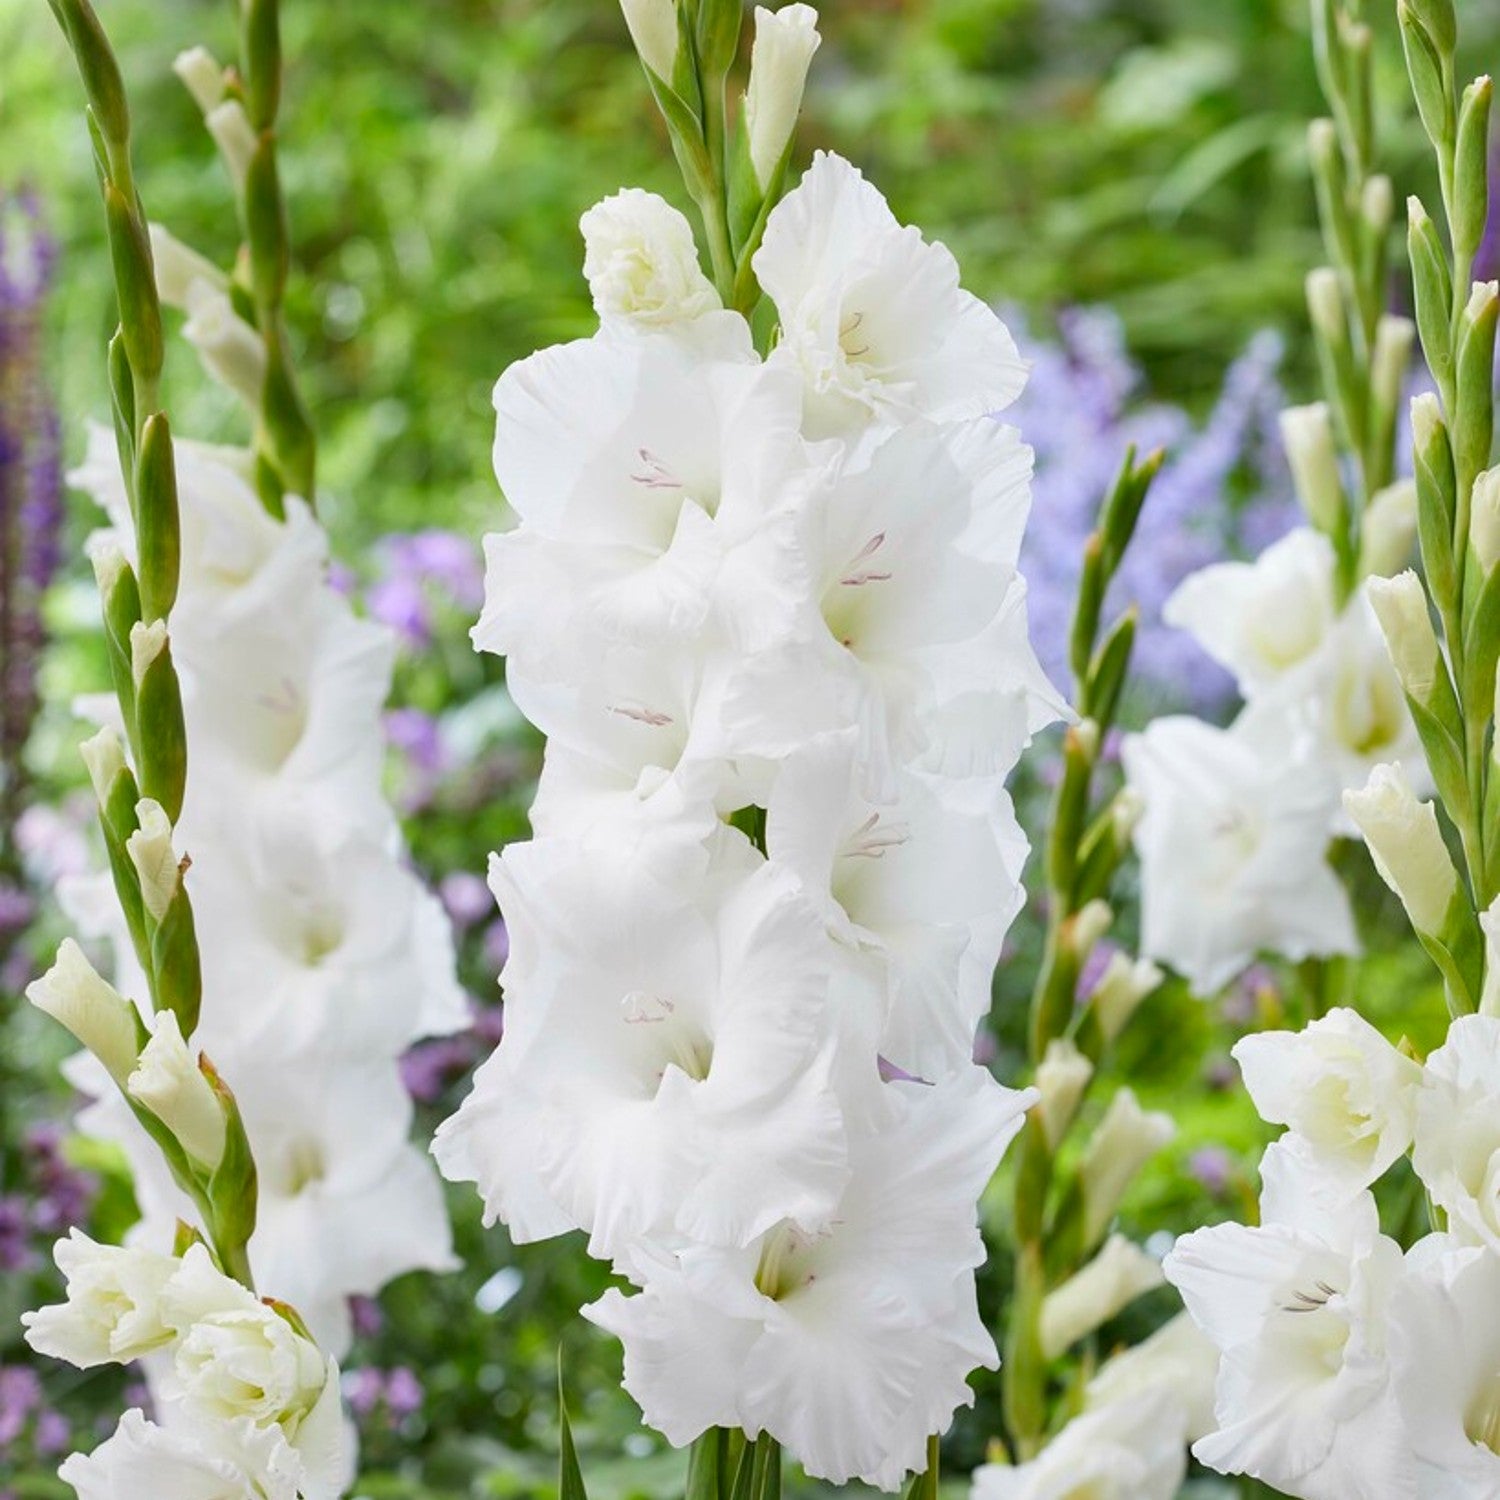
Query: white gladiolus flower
[113,1310]
[1340,1087]
[1457,1150]
[1178,1359]
[1260,620]
[872,316]
[1125,1140]
[663,1066]
[849,1345]
[1445,1343]
[1119,1273]
[641,261]
[927,882]
[1407,845]
[155,860]
[168,1081]
[1130,1449]
[1298,1310]
[227,1461]
[785,41]
[234,1356]
[1232,847]
[73,994]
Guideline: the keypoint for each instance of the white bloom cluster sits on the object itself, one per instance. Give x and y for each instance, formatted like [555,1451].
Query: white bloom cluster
[1237,822]
[768,614]
[248,1405]
[323,955]
[1348,1369]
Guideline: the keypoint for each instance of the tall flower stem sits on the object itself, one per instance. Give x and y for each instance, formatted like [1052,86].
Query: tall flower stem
[137,606]
[1086,844]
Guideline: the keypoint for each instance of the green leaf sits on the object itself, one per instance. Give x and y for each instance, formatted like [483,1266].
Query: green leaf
[570,1484]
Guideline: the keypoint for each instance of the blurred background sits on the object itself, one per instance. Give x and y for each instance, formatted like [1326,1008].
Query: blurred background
[1125,179]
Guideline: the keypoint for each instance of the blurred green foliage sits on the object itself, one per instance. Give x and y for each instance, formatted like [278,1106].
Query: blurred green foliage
[1147,154]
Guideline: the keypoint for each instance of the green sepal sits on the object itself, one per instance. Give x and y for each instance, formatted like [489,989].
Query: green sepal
[718,40]
[1067,1236]
[1026,1382]
[176,967]
[122,410]
[1474,417]
[135,285]
[570,1484]
[1033,1179]
[1432,284]
[1331,186]
[1438,19]
[233,1188]
[286,422]
[1440,728]
[186,1236]
[260,39]
[1122,509]
[1458,952]
[1471,196]
[1099,858]
[705,1475]
[1424,66]
[122,613]
[290,1316]
[117,821]
[265,224]
[1070,811]
[1481,651]
[1109,669]
[1093,580]
[1437,507]
[162,753]
[96,63]
[158,524]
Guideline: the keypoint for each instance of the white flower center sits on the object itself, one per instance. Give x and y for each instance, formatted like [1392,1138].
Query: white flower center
[679,1042]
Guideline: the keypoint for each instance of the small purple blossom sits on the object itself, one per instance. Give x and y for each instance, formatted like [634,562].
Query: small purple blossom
[466,898]
[1081,411]
[1213,1168]
[419,573]
[20,1398]
[496,945]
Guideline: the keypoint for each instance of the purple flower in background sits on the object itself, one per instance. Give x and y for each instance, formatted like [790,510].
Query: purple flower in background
[31,494]
[1081,410]
[20,1397]
[419,570]
[466,898]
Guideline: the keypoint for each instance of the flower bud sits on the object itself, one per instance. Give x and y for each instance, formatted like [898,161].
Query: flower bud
[1471,168]
[150,850]
[73,994]
[231,129]
[1389,531]
[1484,520]
[104,756]
[1377,205]
[1178,1357]
[1489,921]
[1123,985]
[202,76]
[1109,1283]
[1437,18]
[147,642]
[1061,1077]
[1126,812]
[785,41]
[112,1313]
[178,266]
[231,350]
[1426,420]
[1127,1138]
[1325,302]
[653,29]
[1400,604]
[1407,846]
[168,1082]
[1307,434]
[641,262]
[109,562]
[1089,925]
[1391,363]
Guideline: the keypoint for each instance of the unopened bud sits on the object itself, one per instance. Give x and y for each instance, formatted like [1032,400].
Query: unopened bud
[230,126]
[1125,983]
[1400,604]
[1061,1078]
[202,76]
[104,756]
[1389,531]
[72,993]
[147,642]
[1325,302]
[150,850]
[1484,519]
[785,41]
[168,1082]
[653,29]
[1377,204]
[1109,1283]
[1088,926]
[1307,435]
[1127,1138]
[178,266]
[231,350]
[1406,845]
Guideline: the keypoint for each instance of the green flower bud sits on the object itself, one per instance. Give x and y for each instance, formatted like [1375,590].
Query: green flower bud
[1424,65]
[1406,845]
[1484,520]
[1471,194]
[1307,435]
[1432,280]
[1400,604]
